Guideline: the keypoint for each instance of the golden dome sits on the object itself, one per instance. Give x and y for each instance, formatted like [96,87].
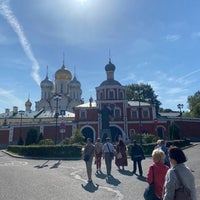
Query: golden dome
[46,83]
[63,73]
[28,103]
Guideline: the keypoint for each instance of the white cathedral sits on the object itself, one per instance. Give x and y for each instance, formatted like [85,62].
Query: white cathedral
[64,94]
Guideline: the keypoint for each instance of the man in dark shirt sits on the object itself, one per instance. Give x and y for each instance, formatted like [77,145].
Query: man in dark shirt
[137,155]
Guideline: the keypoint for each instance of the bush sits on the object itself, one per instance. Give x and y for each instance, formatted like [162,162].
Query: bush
[46,142]
[66,141]
[57,151]
[146,138]
[77,138]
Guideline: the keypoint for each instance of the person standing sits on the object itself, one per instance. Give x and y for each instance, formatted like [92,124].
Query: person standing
[162,145]
[98,149]
[172,182]
[122,159]
[157,171]
[88,155]
[137,155]
[108,149]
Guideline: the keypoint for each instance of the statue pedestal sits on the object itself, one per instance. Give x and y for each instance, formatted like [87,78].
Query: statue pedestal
[106,133]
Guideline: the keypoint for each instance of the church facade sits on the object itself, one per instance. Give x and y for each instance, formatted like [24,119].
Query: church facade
[66,90]
[113,115]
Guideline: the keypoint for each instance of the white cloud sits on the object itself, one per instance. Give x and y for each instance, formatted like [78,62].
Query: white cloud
[173,38]
[7,97]
[12,20]
[195,35]
[175,90]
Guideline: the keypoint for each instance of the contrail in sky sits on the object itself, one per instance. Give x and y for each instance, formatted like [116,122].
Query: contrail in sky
[6,11]
[190,74]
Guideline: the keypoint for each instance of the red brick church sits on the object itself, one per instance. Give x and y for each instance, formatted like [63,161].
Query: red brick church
[113,115]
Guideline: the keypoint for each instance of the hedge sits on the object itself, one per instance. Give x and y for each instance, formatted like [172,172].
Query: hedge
[68,151]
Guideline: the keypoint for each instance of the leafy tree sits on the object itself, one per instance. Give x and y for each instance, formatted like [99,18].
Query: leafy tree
[194,104]
[174,131]
[196,111]
[77,137]
[32,136]
[167,110]
[144,92]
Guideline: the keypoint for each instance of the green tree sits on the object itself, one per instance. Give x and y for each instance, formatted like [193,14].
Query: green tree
[144,92]
[32,136]
[174,131]
[194,104]
[77,137]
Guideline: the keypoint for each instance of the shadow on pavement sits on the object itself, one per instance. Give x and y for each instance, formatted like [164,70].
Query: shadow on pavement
[100,175]
[56,165]
[42,166]
[112,181]
[90,187]
[125,172]
[141,178]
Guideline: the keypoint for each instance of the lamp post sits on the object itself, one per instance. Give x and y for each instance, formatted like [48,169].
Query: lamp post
[21,112]
[139,92]
[180,107]
[56,98]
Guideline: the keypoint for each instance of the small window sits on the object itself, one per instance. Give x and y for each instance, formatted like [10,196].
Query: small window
[121,95]
[83,114]
[145,113]
[117,113]
[134,114]
[111,95]
[101,96]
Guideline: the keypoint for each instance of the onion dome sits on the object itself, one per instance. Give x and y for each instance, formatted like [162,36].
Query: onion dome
[46,83]
[28,103]
[75,82]
[110,66]
[63,73]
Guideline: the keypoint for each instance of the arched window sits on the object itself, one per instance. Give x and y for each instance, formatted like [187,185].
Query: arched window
[121,95]
[101,96]
[117,113]
[83,114]
[134,113]
[111,94]
[145,113]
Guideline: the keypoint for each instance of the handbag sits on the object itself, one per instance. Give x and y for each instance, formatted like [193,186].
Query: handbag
[182,193]
[119,155]
[149,190]
[86,158]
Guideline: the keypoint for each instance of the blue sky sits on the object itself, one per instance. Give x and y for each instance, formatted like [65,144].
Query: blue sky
[154,42]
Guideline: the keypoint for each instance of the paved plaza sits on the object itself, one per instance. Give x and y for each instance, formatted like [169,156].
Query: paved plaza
[30,179]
